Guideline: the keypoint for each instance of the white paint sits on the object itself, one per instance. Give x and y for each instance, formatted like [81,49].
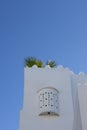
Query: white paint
[41,80]
[82,94]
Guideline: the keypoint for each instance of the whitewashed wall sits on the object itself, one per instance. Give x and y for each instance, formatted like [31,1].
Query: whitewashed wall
[69,111]
[82,95]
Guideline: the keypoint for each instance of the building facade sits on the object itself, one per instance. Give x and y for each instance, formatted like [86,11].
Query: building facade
[54,99]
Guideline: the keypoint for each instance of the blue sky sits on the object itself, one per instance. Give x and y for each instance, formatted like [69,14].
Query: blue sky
[46,29]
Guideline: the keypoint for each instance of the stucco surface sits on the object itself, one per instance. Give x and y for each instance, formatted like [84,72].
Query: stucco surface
[69,109]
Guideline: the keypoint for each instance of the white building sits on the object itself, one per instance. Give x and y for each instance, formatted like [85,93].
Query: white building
[54,99]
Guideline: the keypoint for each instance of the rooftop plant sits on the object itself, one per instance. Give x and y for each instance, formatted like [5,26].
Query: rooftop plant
[52,64]
[30,61]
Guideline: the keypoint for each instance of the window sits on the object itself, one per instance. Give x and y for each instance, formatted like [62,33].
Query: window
[48,101]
